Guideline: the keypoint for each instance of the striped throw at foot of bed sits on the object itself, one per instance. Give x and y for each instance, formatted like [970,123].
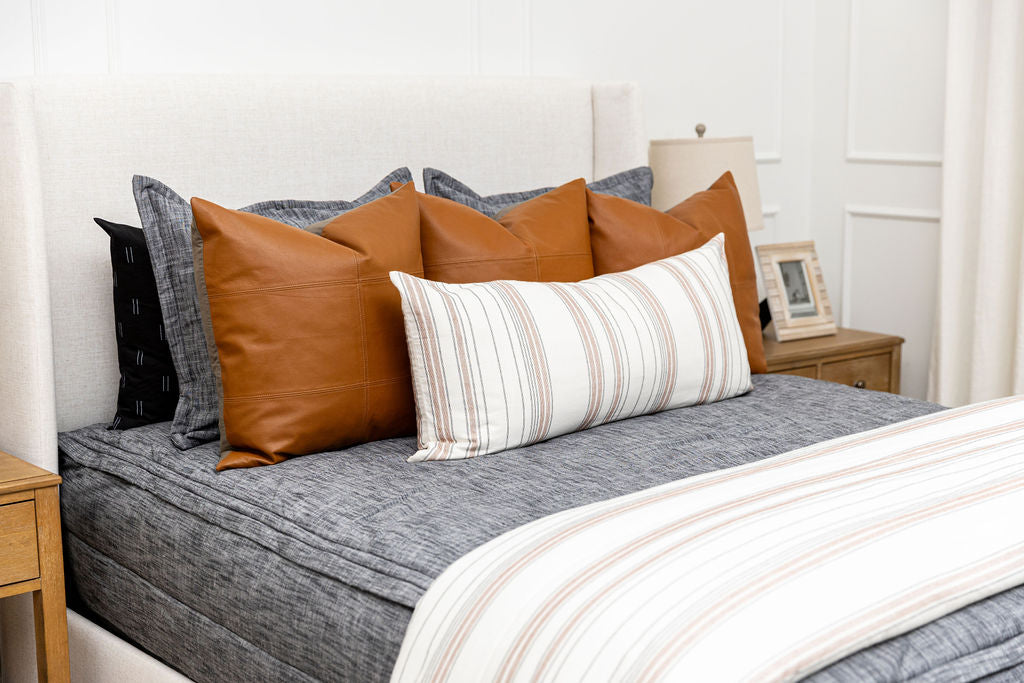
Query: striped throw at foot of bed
[764,572]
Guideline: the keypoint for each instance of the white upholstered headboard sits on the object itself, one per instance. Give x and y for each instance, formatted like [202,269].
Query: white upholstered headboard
[69,148]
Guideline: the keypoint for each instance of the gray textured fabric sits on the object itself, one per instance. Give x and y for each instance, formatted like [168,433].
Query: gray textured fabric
[985,638]
[310,568]
[634,184]
[1012,674]
[167,222]
[207,651]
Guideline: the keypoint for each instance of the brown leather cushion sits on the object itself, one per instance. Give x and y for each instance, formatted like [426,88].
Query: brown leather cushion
[625,234]
[309,328]
[544,239]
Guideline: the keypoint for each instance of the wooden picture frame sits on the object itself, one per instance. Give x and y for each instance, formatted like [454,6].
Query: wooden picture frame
[796,291]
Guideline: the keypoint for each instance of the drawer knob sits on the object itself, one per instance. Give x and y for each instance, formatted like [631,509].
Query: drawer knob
[860,384]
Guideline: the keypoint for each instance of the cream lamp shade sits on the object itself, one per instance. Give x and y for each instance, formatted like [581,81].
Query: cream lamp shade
[682,167]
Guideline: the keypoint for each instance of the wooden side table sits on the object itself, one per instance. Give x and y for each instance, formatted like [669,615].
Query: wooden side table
[860,359]
[31,558]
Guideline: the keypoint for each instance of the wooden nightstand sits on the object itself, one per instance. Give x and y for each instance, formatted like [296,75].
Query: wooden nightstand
[31,559]
[861,359]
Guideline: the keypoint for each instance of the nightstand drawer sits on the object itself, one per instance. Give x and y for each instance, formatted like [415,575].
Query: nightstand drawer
[867,372]
[19,559]
[853,357]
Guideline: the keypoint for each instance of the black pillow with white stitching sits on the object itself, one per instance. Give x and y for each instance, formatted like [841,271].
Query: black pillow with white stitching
[148,389]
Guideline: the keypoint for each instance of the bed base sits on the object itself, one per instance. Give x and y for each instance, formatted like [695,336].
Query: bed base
[97,655]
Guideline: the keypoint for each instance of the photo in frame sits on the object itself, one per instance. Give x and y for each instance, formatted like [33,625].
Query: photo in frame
[795,288]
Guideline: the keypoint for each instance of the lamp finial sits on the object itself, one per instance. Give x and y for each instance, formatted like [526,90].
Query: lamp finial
[701,128]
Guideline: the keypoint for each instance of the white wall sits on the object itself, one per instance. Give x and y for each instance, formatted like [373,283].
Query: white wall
[877,153]
[843,97]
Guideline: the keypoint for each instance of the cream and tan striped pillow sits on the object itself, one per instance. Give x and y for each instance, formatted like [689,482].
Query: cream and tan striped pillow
[496,365]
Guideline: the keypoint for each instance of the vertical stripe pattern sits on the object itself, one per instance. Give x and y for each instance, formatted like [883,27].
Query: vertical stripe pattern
[498,365]
[765,572]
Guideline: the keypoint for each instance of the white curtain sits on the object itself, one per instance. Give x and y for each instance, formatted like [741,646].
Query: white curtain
[978,349]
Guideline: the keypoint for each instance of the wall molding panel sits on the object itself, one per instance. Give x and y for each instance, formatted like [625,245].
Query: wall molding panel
[112,9]
[526,38]
[774,156]
[40,57]
[854,211]
[879,226]
[853,154]
[894,159]
[473,46]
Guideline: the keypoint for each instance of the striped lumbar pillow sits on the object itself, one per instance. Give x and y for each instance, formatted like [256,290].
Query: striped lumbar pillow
[496,365]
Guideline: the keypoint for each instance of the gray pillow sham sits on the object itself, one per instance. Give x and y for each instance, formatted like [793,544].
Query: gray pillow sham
[167,223]
[634,184]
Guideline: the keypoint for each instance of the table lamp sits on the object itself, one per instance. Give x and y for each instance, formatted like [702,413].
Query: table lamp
[685,166]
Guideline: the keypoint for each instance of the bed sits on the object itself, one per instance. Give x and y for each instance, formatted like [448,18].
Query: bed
[309,570]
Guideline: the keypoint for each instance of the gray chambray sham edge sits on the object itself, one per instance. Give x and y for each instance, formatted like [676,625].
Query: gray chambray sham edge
[634,184]
[167,224]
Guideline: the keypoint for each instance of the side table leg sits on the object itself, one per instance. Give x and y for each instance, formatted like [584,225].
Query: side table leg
[50,607]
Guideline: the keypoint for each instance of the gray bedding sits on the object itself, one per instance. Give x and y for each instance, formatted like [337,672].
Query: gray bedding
[309,570]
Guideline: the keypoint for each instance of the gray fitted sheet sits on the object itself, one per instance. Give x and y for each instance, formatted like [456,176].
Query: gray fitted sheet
[309,570]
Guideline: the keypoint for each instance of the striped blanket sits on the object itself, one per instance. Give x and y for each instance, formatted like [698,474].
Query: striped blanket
[769,571]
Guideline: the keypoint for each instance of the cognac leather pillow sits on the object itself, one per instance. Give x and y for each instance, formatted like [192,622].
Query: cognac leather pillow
[544,239]
[167,224]
[309,328]
[624,235]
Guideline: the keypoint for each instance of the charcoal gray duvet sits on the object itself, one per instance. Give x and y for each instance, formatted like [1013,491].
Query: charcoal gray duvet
[309,570]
